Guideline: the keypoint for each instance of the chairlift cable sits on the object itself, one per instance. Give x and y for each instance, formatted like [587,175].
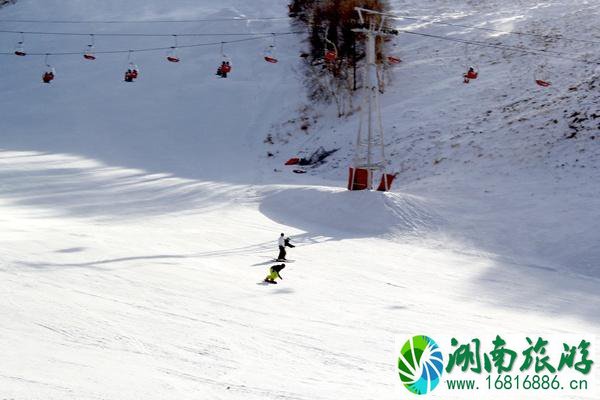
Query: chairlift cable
[151,49]
[527,50]
[42,33]
[558,37]
[166,21]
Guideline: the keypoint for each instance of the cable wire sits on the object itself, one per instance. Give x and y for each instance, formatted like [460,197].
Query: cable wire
[169,21]
[394,16]
[559,37]
[256,36]
[554,54]
[39,33]
[145,50]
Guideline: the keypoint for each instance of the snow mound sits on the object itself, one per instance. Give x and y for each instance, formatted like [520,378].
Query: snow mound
[336,211]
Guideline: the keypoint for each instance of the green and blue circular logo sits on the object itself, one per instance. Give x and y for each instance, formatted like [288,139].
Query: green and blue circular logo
[420,364]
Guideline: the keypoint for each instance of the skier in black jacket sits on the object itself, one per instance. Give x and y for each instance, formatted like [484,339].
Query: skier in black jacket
[274,273]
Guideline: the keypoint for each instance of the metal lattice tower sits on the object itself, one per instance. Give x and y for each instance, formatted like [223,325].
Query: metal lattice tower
[370,145]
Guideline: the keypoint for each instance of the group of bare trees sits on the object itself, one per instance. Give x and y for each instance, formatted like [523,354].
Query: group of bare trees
[330,25]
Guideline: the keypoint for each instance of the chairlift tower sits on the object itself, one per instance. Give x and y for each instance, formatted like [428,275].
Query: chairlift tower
[370,145]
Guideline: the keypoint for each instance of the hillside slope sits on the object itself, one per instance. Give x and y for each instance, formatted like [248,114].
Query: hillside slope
[500,139]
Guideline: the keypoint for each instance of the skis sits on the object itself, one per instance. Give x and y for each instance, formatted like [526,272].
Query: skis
[283,261]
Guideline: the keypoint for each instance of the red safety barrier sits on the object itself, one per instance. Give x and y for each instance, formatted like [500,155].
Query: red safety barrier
[386,182]
[358,179]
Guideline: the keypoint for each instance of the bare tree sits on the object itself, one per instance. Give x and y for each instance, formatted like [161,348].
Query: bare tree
[330,24]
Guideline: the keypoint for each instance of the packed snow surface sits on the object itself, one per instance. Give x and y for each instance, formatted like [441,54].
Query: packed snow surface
[138,220]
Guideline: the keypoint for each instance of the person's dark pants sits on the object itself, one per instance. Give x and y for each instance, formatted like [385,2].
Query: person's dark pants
[281,253]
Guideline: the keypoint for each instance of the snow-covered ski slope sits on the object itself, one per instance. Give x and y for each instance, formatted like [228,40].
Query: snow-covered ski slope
[138,219]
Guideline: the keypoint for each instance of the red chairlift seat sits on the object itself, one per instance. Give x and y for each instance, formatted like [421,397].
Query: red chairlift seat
[225,66]
[48,77]
[20,47]
[471,74]
[472,70]
[131,74]
[543,83]
[542,76]
[172,53]
[88,53]
[394,60]
[330,56]
[224,69]
[269,54]
[331,53]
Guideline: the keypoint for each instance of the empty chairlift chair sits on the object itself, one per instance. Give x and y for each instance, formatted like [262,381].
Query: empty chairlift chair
[541,76]
[88,53]
[172,53]
[20,47]
[270,52]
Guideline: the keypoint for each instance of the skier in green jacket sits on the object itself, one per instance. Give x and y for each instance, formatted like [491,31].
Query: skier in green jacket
[274,273]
